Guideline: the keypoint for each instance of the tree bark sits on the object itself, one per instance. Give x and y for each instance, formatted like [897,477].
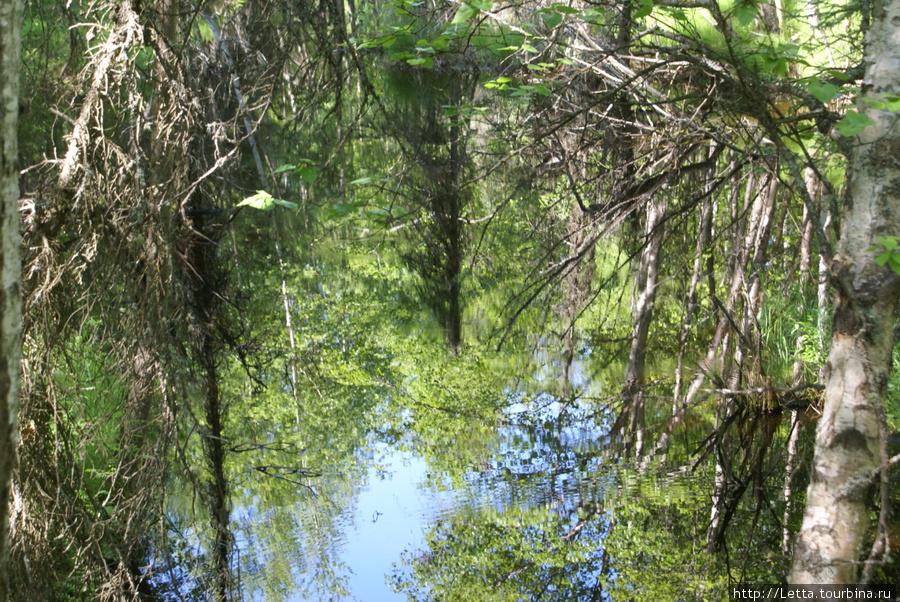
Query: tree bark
[806,234]
[10,264]
[645,292]
[848,452]
[690,304]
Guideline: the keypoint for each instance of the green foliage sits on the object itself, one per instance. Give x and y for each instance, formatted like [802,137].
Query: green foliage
[264,201]
[888,249]
[305,168]
[854,123]
[892,397]
[467,10]
[425,129]
[507,556]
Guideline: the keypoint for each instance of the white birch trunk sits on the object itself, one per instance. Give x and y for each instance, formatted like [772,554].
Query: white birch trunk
[848,451]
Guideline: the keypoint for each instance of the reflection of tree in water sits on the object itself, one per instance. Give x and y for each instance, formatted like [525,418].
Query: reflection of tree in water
[568,528]
[435,145]
[292,489]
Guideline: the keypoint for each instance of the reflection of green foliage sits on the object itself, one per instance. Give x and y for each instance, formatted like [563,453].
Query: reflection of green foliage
[507,557]
[658,554]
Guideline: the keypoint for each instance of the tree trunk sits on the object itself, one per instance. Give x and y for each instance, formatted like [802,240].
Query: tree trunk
[10,265]
[577,287]
[645,293]
[822,297]
[848,451]
[690,304]
[806,232]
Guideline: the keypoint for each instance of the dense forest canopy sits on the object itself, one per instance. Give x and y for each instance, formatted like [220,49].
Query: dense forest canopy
[257,236]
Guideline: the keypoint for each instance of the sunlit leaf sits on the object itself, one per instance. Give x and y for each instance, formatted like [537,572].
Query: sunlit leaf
[426,62]
[264,201]
[889,242]
[205,31]
[745,13]
[465,12]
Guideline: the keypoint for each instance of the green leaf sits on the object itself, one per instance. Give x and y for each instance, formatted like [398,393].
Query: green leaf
[264,201]
[340,210]
[564,9]
[401,56]
[895,262]
[838,74]
[875,103]
[854,123]
[823,91]
[378,213]
[645,7]
[426,62]
[465,12]
[205,31]
[309,174]
[893,103]
[781,66]
[889,242]
[744,13]
[552,19]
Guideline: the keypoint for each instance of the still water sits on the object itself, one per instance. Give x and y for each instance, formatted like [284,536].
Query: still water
[543,485]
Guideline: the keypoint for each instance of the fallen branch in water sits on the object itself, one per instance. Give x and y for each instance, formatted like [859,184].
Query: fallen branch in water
[758,390]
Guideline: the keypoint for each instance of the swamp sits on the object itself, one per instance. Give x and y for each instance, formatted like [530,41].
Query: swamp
[448,300]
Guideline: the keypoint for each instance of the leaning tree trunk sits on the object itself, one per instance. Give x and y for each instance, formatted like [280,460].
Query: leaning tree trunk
[847,452]
[10,266]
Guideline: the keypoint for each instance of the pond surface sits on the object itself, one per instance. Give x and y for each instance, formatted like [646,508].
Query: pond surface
[531,499]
